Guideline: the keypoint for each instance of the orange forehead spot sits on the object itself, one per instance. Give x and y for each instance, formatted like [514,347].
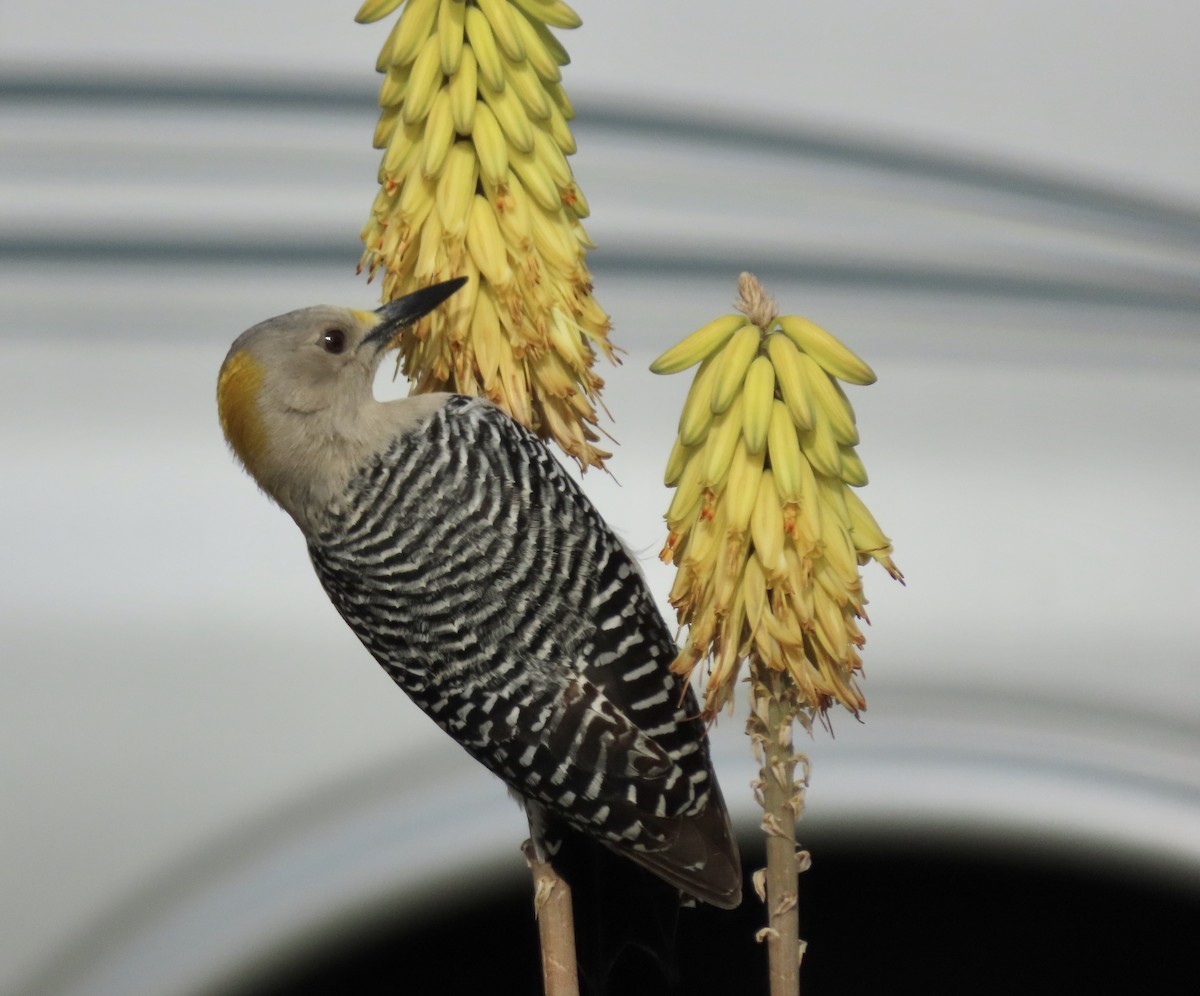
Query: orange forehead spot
[237,403]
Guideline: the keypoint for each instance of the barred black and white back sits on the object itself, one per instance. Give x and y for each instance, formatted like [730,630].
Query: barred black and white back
[486,584]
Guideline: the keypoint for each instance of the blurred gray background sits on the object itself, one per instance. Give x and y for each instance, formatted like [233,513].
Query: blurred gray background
[998,205]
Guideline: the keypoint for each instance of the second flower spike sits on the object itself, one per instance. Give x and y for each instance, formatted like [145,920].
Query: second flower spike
[764,529]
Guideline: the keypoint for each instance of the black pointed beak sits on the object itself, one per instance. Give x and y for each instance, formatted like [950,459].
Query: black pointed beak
[402,312]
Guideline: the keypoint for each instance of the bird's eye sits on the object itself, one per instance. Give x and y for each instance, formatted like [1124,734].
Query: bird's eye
[334,340]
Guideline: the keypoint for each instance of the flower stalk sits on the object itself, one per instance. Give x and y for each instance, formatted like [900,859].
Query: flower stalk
[767,535]
[774,710]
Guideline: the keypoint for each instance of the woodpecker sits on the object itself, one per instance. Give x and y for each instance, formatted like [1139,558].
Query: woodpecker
[478,574]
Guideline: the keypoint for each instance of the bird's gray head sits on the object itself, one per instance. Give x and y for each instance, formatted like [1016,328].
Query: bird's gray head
[295,392]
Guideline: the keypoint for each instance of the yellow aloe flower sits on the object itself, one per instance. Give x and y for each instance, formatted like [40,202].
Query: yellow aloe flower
[765,528]
[475,182]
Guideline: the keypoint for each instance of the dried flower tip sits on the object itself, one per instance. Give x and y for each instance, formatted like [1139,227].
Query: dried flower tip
[754,302]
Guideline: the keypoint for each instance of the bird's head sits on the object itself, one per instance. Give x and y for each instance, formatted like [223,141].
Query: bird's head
[295,392]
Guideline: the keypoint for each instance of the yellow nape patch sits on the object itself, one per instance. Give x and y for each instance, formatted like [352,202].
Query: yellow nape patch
[237,404]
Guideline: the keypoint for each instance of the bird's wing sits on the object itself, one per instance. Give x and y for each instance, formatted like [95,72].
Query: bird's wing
[585,763]
[566,745]
[487,585]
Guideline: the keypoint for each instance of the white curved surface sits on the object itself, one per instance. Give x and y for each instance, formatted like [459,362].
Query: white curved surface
[1103,91]
[201,766]
[1034,677]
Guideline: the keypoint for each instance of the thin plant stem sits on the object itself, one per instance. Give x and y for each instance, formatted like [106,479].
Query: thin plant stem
[556,926]
[773,713]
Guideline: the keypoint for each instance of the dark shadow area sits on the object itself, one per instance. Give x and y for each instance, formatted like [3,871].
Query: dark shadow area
[938,916]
